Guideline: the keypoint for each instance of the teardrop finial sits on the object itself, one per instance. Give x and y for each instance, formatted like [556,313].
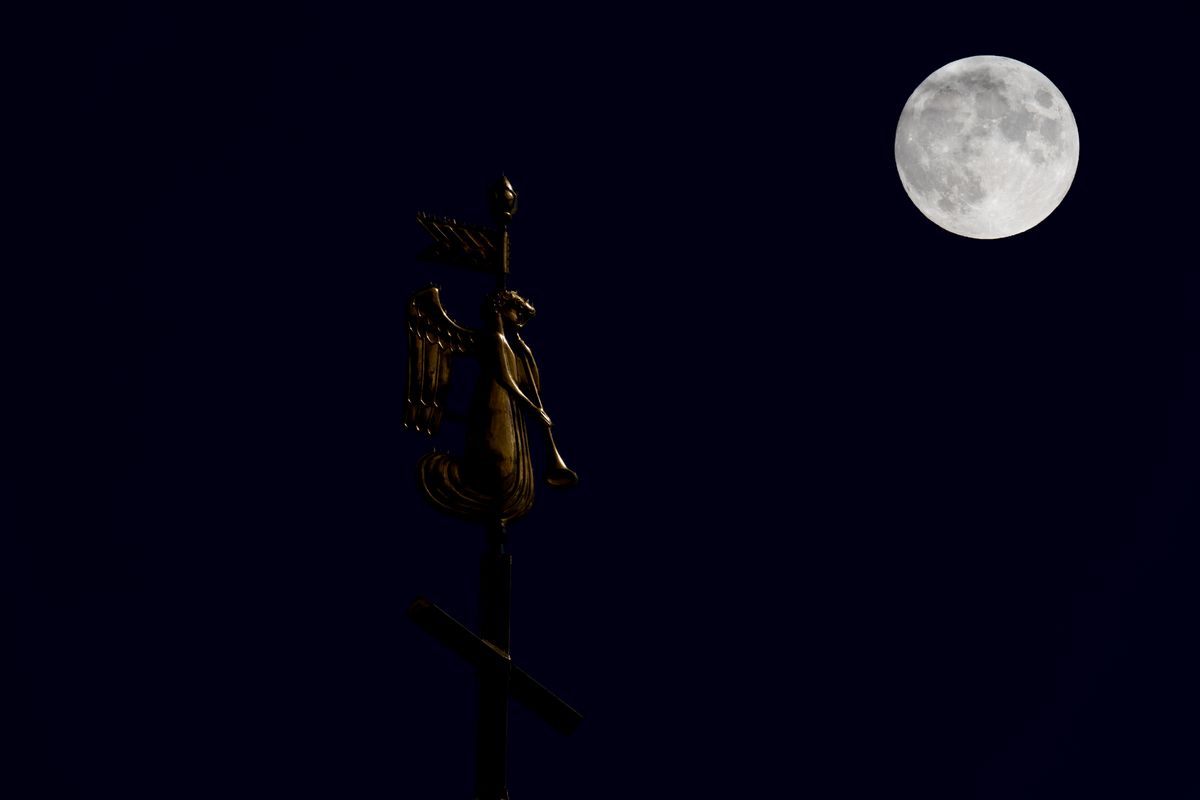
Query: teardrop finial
[502,201]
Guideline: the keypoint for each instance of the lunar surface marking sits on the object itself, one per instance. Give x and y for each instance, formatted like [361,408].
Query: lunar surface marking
[987,147]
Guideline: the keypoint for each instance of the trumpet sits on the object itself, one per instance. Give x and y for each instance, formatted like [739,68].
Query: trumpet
[558,474]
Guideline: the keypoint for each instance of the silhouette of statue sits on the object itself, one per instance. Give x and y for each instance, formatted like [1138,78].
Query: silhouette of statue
[493,480]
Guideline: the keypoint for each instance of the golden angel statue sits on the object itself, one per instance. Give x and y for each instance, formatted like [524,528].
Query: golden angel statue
[493,479]
[491,482]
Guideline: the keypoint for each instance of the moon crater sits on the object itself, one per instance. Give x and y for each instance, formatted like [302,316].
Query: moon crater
[987,147]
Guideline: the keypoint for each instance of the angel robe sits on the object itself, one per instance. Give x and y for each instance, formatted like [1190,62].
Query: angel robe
[494,479]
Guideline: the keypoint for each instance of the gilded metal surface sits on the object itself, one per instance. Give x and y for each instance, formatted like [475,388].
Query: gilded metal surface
[502,201]
[493,479]
[463,245]
[491,482]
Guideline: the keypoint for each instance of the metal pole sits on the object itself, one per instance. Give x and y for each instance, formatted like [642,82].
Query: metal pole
[495,595]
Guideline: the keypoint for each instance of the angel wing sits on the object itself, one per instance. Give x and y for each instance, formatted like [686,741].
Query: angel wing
[433,341]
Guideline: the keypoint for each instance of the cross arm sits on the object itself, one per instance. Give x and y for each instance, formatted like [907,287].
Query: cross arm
[484,655]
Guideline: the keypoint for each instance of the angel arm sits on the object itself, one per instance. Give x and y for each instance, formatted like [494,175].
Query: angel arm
[525,355]
[434,339]
[507,359]
[557,472]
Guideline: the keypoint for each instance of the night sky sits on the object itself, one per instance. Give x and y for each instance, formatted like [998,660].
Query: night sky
[866,508]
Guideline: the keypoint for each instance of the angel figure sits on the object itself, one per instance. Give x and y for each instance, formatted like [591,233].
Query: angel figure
[493,480]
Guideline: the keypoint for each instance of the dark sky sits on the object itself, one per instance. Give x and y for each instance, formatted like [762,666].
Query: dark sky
[865,506]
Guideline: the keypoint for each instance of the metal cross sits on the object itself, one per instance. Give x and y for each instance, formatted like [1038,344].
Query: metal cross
[492,482]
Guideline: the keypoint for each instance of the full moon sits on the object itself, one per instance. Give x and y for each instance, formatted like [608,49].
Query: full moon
[987,147]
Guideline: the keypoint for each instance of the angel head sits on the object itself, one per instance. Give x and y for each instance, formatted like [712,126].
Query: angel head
[510,306]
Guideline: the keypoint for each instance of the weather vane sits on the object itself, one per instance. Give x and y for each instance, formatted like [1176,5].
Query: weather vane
[492,481]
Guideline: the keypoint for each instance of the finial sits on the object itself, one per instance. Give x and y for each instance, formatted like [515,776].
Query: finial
[502,201]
